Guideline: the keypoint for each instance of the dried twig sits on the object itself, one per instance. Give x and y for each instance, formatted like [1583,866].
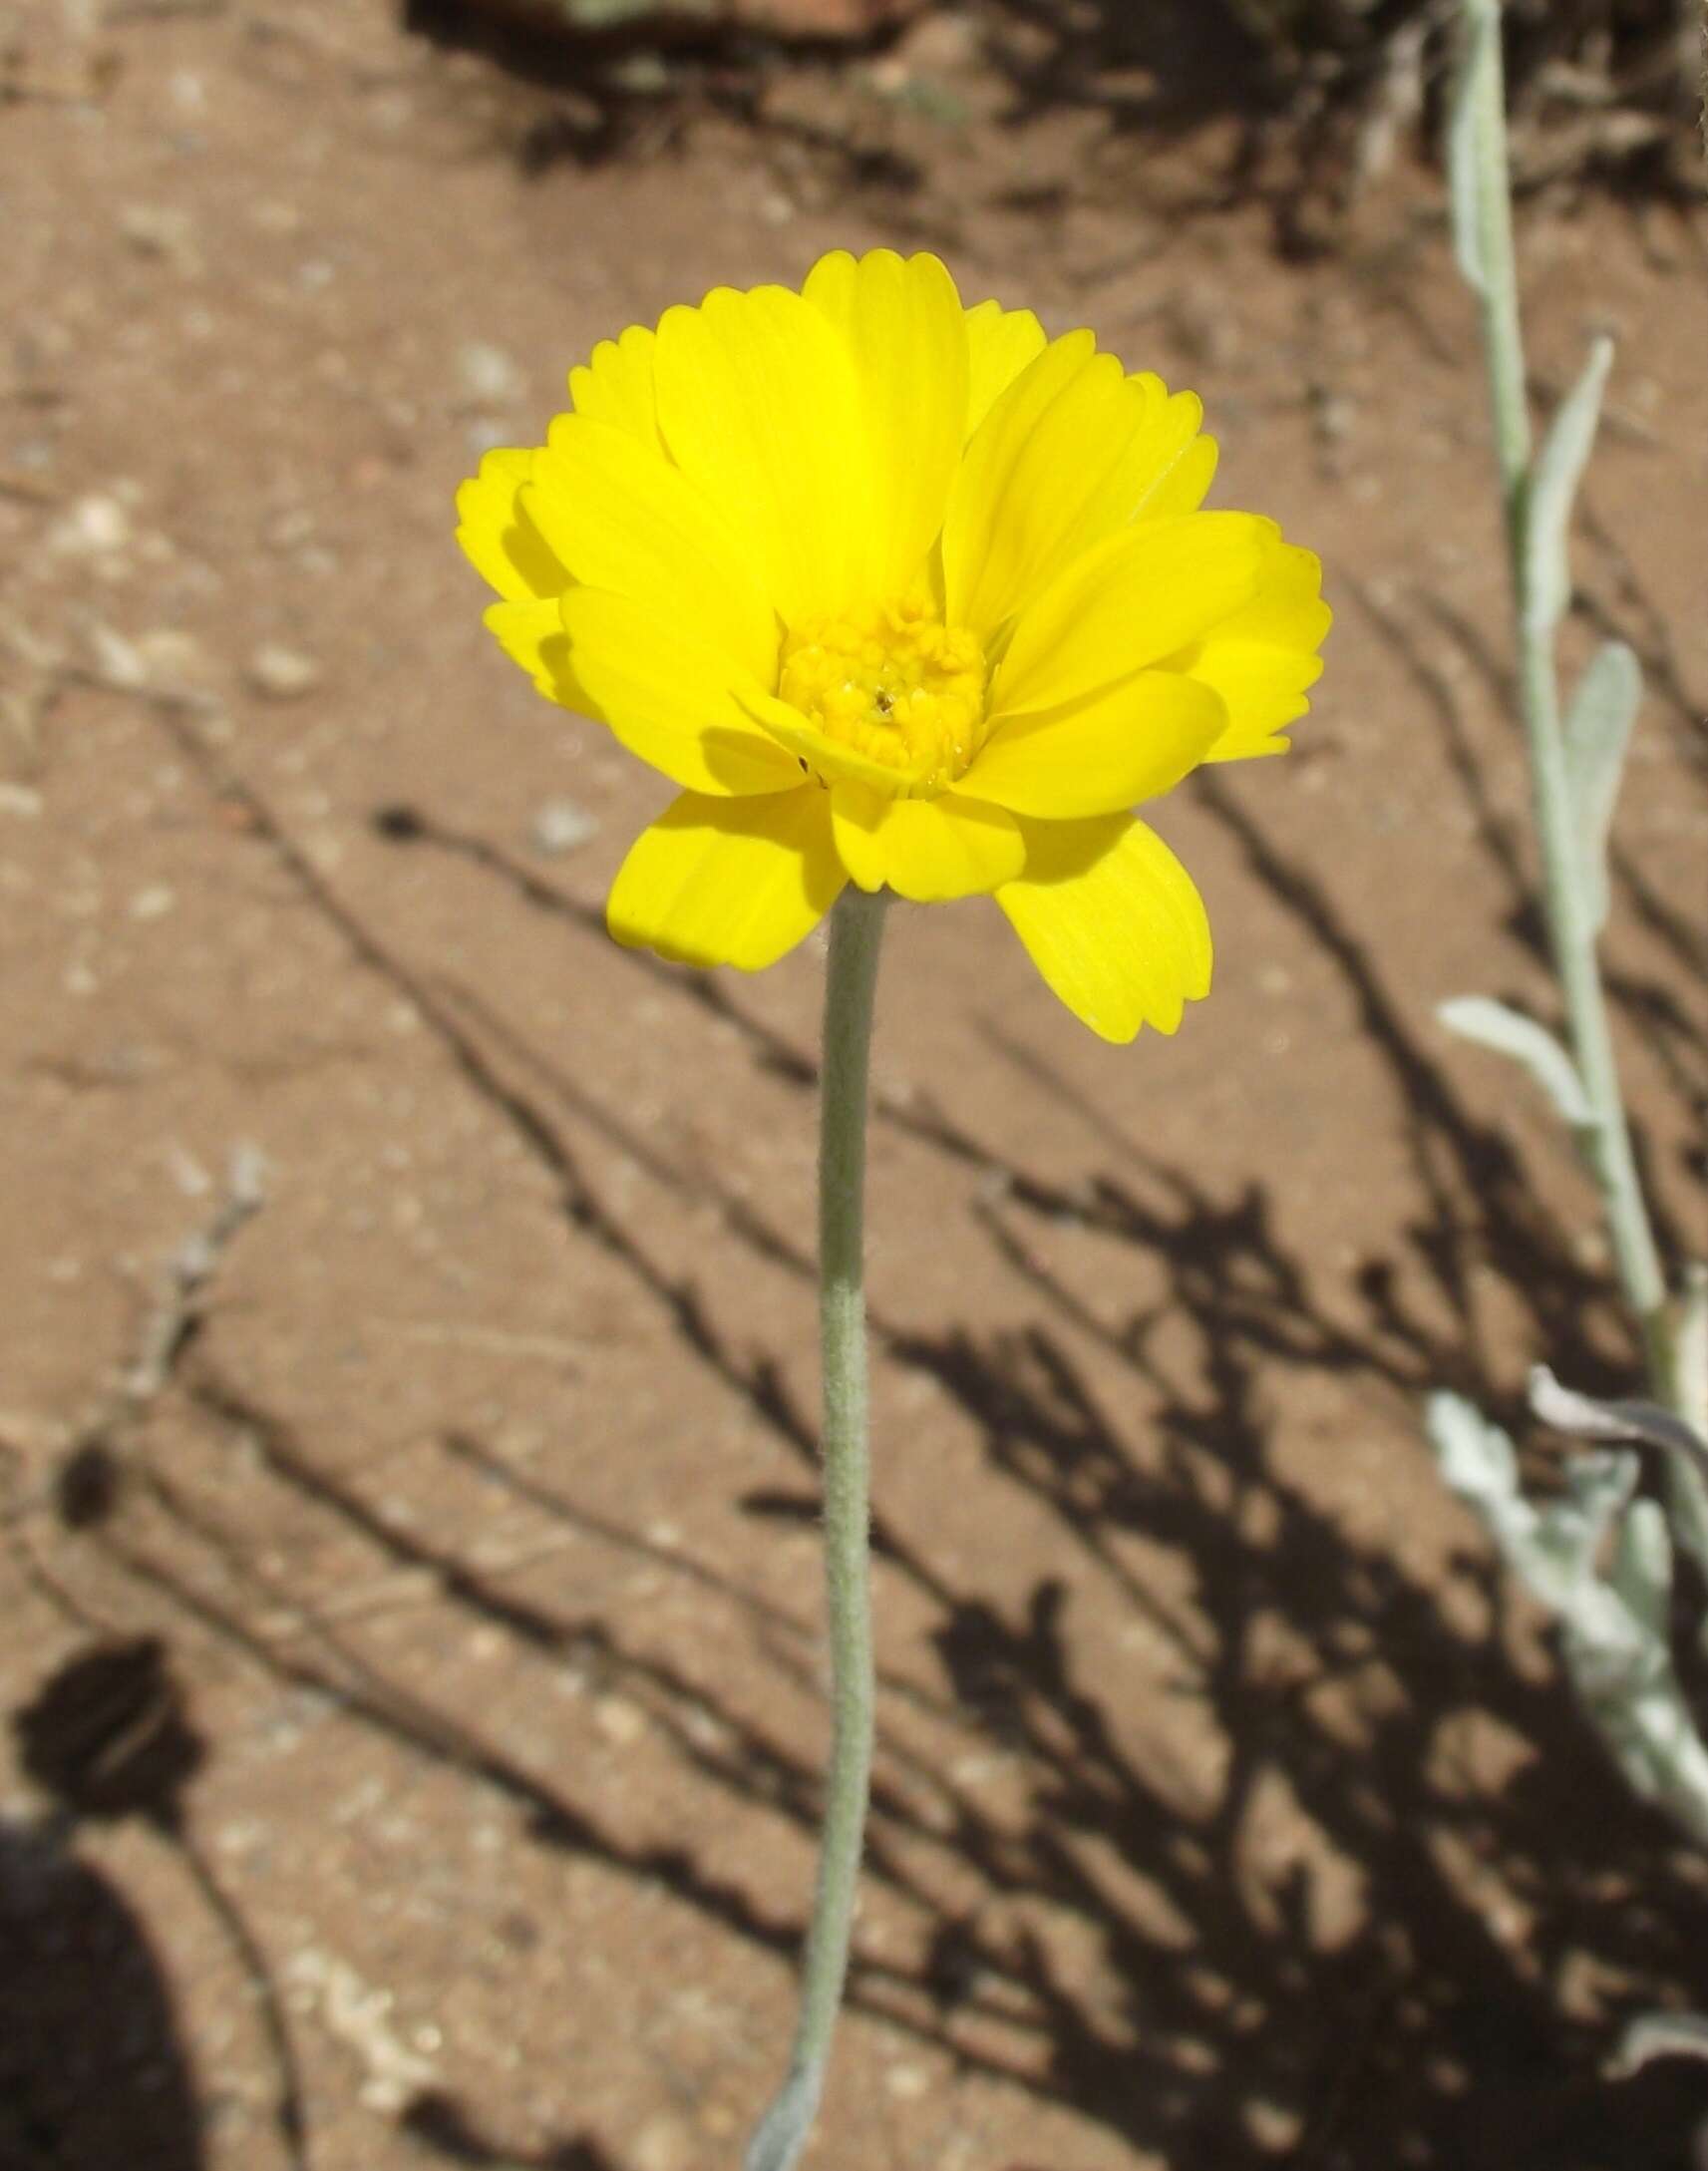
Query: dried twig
[166,1333]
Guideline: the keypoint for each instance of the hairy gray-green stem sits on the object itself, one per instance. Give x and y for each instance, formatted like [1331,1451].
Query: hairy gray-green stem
[856,925]
[1482,189]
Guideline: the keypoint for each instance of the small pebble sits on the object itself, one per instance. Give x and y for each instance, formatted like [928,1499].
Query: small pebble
[560,826]
[620,1721]
[664,2143]
[159,231]
[489,378]
[92,526]
[282,675]
[170,656]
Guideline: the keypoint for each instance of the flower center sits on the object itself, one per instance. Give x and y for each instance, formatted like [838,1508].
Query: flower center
[897,685]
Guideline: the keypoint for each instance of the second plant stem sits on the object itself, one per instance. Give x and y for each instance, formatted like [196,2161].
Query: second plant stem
[1569,926]
[856,925]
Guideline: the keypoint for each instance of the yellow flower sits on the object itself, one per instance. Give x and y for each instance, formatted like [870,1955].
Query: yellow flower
[902,593]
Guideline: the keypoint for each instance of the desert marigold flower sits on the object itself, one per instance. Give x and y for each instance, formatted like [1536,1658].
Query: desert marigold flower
[902,593]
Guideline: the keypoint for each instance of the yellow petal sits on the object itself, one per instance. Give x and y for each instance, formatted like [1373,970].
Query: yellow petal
[929,850]
[1263,659]
[667,697]
[618,384]
[728,882]
[903,324]
[1000,344]
[1179,464]
[816,749]
[1154,463]
[621,518]
[533,633]
[1133,741]
[1112,920]
[761,406]
[499,541]
[989,542]
[1073,451]
[1127,603]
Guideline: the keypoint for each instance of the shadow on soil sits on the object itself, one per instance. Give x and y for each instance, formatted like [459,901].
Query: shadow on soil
[1433,1968]
[92,2076]
[93,2073]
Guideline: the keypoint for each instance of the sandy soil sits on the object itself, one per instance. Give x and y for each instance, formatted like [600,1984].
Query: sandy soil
[423,1650]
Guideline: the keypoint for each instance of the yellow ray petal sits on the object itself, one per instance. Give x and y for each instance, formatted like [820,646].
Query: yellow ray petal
[1127,603]
[816,749]
[1000,344]
[1133,741]
[989,542]
[728,882]
[1073,451]
[929,850]
[903,324]
[621,518]
[1113,921]
[667,697]
[532,634]
[498,540]
[759,403]
[618,384]
[1177,464]
[1263,659]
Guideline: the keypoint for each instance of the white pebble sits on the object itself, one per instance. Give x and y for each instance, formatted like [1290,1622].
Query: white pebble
[560,826]
[282,675]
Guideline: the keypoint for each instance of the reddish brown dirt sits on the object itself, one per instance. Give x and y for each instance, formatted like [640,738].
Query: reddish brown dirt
[1230,1809]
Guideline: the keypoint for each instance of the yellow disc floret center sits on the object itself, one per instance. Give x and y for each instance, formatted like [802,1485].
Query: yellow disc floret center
[894,684]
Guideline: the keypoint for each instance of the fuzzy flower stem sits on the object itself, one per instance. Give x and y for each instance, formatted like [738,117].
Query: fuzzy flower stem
[1571,927]
[856,926]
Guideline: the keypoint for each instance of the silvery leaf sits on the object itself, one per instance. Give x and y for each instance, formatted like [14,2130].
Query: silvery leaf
[1509,1032]
[1659,2035]
[1597,732]
[1554,477]
[1479,52]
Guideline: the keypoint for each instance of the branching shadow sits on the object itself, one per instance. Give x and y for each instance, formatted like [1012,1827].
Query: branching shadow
[1394,1909]
[91,2073]
[94,2075]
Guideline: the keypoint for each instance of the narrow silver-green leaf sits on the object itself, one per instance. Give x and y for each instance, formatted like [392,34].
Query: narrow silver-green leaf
[1511,1033]
[1558,469]
[1597,732]
[1659,2035]
[1690,1348]
[1641,1569]
[1475,80]
[1586,1417]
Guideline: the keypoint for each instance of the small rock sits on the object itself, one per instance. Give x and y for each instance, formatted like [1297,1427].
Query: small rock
[172,657]
[289,530]
[152,903]
[489,378]
[20,799]
[1275,2127]
[560,826]
[664,2143]
[118,660]
[943,42]
[157,230]
[282,675]
[620,1721]
[92,528]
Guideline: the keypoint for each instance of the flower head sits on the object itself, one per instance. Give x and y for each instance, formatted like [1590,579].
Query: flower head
[902,593]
